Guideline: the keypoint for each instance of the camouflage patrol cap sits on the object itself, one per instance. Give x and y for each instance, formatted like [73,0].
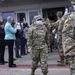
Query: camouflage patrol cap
[38,17]
[59,13]
[72,2]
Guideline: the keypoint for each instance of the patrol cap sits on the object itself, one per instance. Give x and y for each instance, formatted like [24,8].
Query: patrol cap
[59,13]
[38,17]
[72,2]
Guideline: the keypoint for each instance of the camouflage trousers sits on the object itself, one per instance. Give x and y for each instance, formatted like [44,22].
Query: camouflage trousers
[68,46]
[59,41]
[40,55]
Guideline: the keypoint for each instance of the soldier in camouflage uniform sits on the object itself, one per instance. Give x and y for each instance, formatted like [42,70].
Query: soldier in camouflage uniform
[68,35]
[37,41]
[69,40]
[50,35]
[59,25]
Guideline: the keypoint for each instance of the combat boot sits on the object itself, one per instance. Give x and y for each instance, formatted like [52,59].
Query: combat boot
[33,72]
[44,74]
[62,62]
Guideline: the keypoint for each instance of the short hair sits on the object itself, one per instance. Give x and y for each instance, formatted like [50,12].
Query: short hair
[9,18]
[59,13]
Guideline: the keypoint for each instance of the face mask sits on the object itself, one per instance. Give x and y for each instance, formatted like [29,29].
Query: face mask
[39,23]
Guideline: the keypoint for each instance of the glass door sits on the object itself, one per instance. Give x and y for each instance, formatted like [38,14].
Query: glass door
[21,17]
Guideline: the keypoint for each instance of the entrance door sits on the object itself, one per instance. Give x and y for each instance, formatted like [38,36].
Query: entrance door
[21,17]
[6,14]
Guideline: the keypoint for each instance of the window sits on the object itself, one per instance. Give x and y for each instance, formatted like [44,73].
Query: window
[21,17]
[31,15]
[6,14]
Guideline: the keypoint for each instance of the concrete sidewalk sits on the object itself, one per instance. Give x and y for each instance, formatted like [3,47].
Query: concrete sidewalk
[24,66]
[64,71]
[26,60]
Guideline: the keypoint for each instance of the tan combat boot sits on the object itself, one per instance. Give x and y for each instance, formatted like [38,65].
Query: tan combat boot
[44,74]
[62,60]
[61,64]
[33,72]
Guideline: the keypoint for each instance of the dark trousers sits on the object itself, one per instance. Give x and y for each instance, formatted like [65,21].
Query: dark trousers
[17,44]
[10,44]
[2,49]
[23,43]
[55,44]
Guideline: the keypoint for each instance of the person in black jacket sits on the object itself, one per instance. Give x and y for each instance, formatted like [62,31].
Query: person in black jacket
[18,39]
[2,44]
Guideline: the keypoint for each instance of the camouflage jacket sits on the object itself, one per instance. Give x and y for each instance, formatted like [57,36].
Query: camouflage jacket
[37,36]
[58,24]
[69,22]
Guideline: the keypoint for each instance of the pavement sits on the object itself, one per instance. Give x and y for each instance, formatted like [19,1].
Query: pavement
[24,66]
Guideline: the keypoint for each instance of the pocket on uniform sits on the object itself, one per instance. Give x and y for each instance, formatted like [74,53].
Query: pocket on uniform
[35,55]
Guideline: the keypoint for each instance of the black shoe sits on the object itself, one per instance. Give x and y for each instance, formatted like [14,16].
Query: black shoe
[2,63]
[58,61]
[28,52]
[14,59]
[14,65]
[5,61]
[19,56]
[24,54]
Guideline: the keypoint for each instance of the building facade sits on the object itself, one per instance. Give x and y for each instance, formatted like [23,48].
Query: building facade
[26,9]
